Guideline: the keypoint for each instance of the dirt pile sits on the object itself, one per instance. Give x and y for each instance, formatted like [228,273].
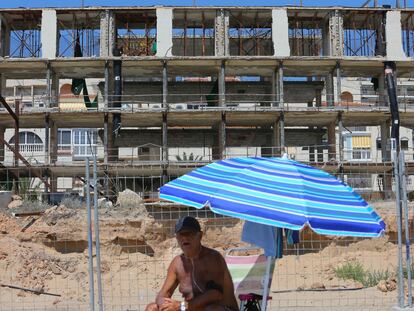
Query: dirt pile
[51,254]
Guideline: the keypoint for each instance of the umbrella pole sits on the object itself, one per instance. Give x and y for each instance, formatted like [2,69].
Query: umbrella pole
[266,283]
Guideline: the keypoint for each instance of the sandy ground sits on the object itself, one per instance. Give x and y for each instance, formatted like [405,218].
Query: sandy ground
[51,256]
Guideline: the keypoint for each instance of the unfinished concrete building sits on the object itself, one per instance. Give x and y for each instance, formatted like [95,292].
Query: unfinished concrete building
[171,88]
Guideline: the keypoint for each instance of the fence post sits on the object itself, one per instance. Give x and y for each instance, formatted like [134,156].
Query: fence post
[395,158]
[89,224]
[406,226]
[266,283]
[97,241]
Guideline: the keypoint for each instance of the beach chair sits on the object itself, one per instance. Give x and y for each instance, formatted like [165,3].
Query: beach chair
[252,276]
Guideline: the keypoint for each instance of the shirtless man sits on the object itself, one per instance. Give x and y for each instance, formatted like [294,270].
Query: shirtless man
[200,272]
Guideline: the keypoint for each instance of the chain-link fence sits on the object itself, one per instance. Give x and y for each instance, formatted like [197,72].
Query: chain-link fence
[44,252]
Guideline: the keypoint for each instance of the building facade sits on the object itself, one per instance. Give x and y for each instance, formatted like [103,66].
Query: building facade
[155,92]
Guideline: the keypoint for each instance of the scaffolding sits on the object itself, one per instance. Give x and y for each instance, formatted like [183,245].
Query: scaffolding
[21,38]
[80,30]
[193,33]
[408,34]
[136,33]
[363,34]
[250,33]
[305,35]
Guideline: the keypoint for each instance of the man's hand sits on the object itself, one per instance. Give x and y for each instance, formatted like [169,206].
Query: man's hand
[170,305]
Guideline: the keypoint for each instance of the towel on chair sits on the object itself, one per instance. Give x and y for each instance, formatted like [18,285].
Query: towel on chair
[267,237]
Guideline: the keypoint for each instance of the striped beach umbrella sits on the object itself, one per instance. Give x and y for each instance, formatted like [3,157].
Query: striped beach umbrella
[278,192]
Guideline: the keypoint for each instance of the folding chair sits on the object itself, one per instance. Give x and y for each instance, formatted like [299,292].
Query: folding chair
[252,277]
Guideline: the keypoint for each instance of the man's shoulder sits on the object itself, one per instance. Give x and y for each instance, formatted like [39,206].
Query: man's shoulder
[176,261]
[177,258]
[212,253]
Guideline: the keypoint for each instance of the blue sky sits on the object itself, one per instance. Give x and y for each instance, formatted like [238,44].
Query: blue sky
[76,3]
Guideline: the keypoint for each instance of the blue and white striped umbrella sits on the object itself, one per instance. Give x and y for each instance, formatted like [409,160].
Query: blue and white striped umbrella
[277,192]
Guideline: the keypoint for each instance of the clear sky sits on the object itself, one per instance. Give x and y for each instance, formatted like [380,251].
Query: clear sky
[76,3]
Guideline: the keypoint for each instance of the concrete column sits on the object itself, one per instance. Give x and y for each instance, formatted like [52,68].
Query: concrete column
[164,32]
[276,139]
[110,151]
[54,89]
[53,183]
[164,137]
[338,84]
[105,138]
[386,157]
[273,97]
[222,136]
[108,33]
[164,176]
[280,33]
[282,133]
[4,37]
[394,45]
[164,85]
[385,138]
[113,153]
[309,103]
[7,40]
[49,34]
[32,95]
[53,142]
[329,87]
[221,38]
[2,147]
[340,137]
[47,140]
[16,132]
[333,35]
[219,139]
[280,85]
[48,84]
[382,93]
[318,98]
[106,86]
[222,85]
[3,82]
[331,140]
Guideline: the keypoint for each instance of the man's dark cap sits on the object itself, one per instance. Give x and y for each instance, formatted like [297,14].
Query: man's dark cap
[187,222]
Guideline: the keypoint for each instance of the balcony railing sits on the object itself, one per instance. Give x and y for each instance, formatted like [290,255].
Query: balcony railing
[206,102]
